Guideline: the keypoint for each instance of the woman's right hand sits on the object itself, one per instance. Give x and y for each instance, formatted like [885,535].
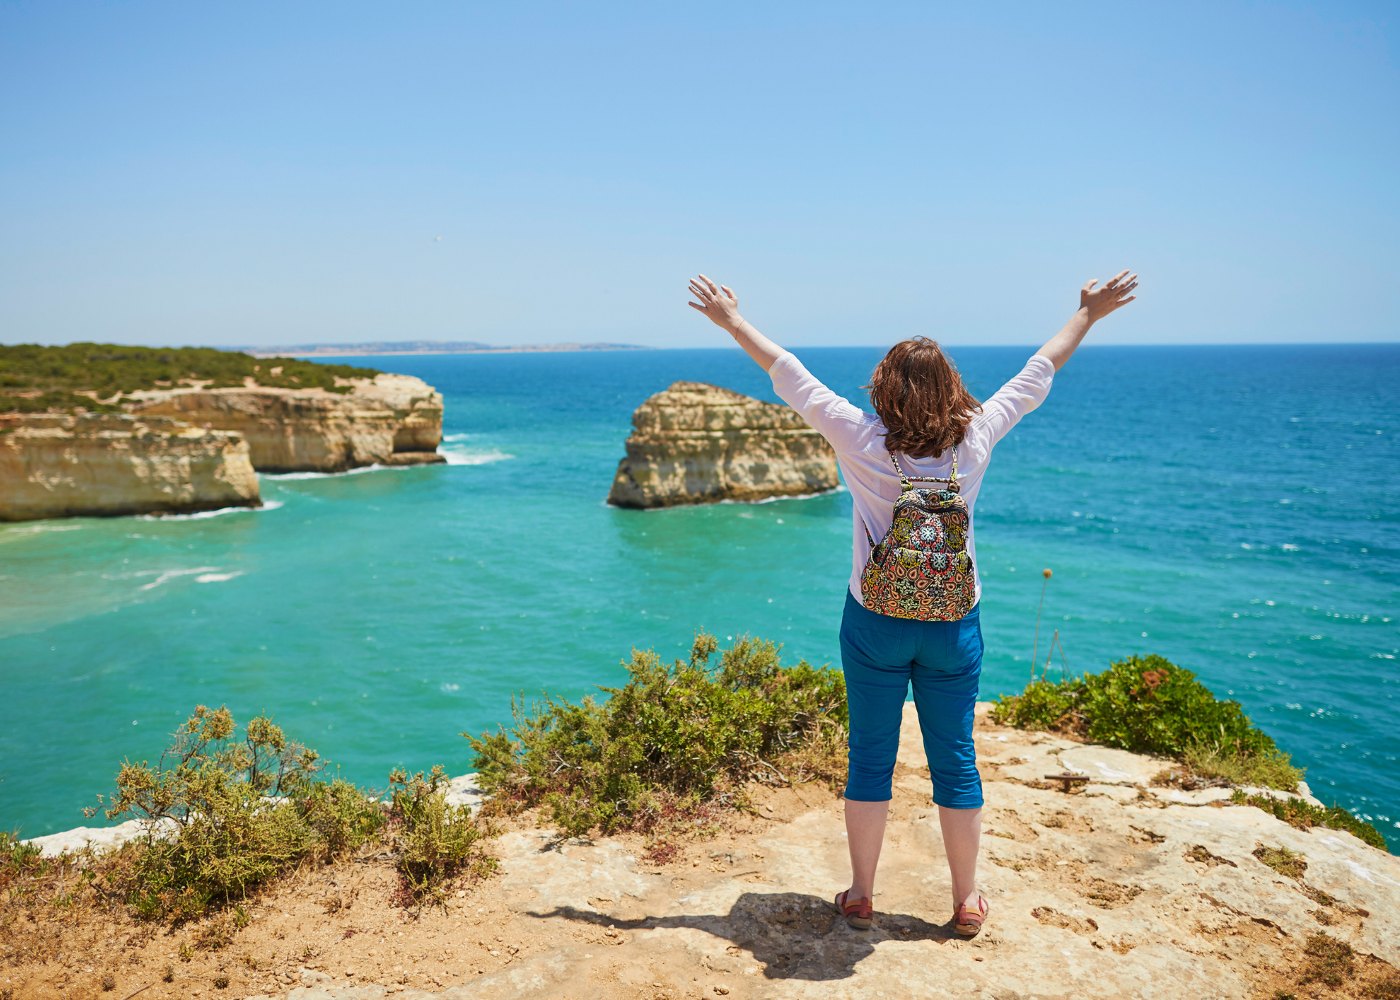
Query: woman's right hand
[717,302]
[1101,301]
[722,307]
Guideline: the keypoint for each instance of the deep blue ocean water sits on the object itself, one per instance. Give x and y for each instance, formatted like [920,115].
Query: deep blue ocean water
[1230,508]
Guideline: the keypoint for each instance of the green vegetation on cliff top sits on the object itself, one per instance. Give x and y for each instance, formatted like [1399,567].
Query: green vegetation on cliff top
[665,756]
[673,745]
[34,378]
[1147,704]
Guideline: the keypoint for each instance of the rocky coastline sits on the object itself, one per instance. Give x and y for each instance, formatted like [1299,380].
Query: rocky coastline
[696,443]
[71,464]
[1117,885]
[390,420]
[192,448]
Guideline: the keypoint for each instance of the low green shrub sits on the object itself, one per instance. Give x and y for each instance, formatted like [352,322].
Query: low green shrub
[18,860]
[108,369]
[1304,814]
[1150,705]
[243,812]
[671,742]
[1269,769]
[436,841]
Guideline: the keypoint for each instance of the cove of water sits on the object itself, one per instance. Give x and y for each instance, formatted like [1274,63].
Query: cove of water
[1227,507]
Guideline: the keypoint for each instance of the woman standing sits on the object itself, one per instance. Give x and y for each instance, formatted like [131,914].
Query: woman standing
[923,413]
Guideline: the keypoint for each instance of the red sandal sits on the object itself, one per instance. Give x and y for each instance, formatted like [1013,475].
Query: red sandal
[967,921]
[857,914]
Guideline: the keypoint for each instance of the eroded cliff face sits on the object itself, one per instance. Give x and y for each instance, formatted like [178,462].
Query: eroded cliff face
[699,443]
[70,464]
[389,420]
[196,448]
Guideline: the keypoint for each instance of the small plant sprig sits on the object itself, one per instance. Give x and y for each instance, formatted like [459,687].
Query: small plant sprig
[196,769]
[436,840]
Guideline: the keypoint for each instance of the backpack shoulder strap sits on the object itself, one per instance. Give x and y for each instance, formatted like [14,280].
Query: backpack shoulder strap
[951,479]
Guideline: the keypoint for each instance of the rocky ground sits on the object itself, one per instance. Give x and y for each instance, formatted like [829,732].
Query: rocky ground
[1116,887]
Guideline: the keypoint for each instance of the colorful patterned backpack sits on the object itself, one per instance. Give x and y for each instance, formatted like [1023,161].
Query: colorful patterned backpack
[921,568]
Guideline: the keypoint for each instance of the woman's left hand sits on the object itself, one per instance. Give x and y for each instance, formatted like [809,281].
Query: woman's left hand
[1099,302]
[717,302]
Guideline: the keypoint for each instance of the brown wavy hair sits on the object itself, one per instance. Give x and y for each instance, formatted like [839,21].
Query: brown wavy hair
[921,399]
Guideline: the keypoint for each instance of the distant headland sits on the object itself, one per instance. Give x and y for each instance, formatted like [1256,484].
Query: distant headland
[90,429]
[423,347]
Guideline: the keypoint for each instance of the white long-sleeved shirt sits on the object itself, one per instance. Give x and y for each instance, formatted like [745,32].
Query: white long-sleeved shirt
[859,441]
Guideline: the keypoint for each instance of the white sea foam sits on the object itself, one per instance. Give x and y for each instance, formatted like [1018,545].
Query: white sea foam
[794,496]
[216,577]
[170,574]
[742,503]
[201,514]
[327,475]
[15,531]
[455,437]
[461,456]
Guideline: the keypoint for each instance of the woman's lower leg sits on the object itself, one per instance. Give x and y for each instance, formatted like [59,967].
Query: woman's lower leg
[962,832]
[865,833]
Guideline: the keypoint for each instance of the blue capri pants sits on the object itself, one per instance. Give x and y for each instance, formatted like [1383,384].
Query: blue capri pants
[882,656]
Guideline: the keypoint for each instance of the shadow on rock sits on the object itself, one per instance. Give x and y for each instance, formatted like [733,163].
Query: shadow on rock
[793,935]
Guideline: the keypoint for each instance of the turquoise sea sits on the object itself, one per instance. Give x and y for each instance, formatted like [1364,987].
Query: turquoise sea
[1231,508]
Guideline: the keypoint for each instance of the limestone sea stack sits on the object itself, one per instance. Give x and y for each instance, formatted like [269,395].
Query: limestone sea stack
[72,464]
[699,443]
[388,420]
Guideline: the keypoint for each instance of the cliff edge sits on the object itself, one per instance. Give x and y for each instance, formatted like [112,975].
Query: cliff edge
[65,464]
[390,419]
[191,448]
[1118,887]
[698,443]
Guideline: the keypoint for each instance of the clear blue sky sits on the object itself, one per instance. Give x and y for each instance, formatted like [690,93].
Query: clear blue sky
[263,173]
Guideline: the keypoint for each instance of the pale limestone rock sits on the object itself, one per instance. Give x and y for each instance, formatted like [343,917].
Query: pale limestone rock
[390,419]
[75,464]
[698,443]
[193,449]
[568,873]
[464,790]
[1111,766]
[100,838]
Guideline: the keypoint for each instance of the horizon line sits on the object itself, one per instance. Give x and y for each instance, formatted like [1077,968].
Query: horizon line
[563,348]
[534,349]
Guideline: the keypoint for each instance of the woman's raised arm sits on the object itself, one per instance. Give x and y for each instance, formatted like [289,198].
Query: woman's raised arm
[722,307]
[1094,305]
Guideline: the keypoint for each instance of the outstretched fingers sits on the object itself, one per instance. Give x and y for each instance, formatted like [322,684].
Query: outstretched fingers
[1118,285]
